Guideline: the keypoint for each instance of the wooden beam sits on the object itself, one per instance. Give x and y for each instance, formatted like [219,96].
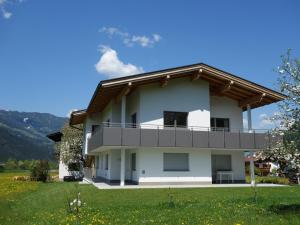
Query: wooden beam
[125,91]
[197,76]
[224,89]
[164,81]
[253,100]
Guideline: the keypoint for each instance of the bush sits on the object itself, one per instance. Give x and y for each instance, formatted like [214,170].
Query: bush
[270,180]
[40,170]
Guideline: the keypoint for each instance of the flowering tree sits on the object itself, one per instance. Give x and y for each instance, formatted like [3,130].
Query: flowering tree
[287,153]
[69,149]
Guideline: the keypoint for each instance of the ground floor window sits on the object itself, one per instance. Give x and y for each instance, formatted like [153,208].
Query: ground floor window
[221,163]
[176,162]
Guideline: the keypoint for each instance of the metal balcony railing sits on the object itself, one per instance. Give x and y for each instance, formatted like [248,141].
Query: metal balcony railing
[150,135]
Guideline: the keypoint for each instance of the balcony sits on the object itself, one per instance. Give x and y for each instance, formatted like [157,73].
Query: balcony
[134,135]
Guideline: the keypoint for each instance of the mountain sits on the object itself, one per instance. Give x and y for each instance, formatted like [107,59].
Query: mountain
[23,134]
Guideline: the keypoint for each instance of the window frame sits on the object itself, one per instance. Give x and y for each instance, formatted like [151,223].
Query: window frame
[213,125]
[175,115]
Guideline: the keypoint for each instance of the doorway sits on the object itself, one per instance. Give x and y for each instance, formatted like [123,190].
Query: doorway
[133,166]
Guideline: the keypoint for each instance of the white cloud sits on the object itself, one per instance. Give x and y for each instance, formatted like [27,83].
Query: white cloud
[110,64]
[6,15]
[245,123]
[3,7]
[131,40]
[264,121]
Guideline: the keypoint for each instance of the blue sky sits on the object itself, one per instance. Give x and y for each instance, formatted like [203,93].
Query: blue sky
[49,49]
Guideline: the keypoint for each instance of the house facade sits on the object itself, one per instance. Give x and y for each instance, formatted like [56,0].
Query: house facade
[177,126]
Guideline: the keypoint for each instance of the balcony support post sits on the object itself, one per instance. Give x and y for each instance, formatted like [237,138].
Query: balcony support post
[122,172]
[123,111]
[252,174]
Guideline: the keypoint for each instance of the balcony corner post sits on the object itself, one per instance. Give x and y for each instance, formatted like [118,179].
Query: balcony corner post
[122,172]
[252,174]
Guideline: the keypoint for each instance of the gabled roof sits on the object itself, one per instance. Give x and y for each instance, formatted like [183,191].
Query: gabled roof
[221,83]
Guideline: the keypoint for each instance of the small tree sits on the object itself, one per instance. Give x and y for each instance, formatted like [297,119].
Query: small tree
[287,153]
[40,170]
[69,149]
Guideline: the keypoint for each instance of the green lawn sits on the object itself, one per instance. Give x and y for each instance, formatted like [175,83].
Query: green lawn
[38,203]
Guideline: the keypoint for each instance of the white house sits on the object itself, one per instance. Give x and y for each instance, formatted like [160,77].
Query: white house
[182,125]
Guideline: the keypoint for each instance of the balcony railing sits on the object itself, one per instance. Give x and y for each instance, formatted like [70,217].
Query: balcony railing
[148,135]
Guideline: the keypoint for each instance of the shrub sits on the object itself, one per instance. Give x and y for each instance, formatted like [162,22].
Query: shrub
[270,180]
[40,170]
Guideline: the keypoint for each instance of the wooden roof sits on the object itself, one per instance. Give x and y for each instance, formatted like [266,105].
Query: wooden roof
[221,84]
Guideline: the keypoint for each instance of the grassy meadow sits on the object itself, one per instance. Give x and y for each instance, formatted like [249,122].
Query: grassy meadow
[27,202]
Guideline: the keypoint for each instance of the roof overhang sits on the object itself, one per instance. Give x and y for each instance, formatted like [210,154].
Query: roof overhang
[78,117]
[56,137]
[221,84]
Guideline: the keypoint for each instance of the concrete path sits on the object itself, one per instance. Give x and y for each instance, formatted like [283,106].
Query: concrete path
[102,185]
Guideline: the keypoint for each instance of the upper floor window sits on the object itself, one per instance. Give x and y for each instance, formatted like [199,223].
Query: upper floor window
[219,124]
[175,119]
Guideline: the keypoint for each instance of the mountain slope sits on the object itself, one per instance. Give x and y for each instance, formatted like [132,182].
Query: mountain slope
[23,134]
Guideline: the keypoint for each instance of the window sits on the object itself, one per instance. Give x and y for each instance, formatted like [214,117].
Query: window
[176,162]
[175,119]
[219,124]
[106,162]
[133,120]
[133,161]
[221,162]
[94,128]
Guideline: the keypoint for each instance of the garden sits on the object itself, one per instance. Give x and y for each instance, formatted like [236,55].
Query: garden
[32,202]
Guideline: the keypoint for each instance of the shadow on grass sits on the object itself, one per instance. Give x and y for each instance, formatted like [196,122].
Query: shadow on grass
[285,209]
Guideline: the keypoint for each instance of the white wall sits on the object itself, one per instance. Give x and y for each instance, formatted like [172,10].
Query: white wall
[132,106]
[151,163]
[62,170]
[179,95]
[223,107]
[237,162]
